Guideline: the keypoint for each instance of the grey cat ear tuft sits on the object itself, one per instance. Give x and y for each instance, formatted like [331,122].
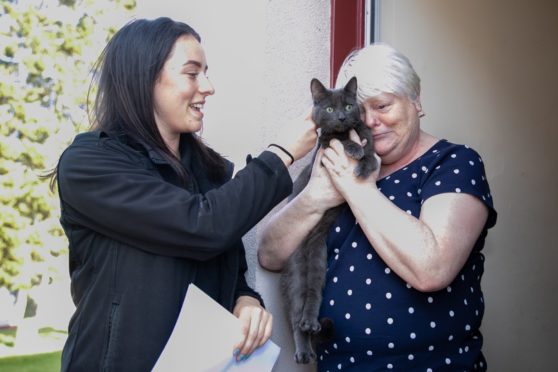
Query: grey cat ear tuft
[317,88]
[351,85]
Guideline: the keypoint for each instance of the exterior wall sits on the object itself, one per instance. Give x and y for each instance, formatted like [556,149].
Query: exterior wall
[261,56]
[489,78]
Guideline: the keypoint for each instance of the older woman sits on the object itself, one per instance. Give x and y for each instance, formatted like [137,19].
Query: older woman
[404,258]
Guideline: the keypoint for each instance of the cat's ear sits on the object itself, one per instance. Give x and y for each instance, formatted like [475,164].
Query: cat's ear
[318,90]
[351,86]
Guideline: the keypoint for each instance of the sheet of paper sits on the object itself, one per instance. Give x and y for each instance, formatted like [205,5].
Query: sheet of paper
[203,340]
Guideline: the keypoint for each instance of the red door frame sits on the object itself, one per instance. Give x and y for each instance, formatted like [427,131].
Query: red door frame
[347,32]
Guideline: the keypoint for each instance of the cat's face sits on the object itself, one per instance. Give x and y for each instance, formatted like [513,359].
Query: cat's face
[335,110]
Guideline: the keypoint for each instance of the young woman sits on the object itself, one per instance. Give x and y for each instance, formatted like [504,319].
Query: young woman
[148,208]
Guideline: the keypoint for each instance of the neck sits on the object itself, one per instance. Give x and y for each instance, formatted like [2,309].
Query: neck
[422,144]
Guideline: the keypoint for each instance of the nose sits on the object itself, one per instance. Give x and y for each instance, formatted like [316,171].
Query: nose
[371,118]
[205,85]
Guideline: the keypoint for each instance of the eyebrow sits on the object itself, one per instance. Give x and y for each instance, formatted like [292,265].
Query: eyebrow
[195,63]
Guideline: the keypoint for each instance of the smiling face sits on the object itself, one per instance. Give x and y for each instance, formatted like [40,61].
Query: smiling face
[394,122]
[181,90]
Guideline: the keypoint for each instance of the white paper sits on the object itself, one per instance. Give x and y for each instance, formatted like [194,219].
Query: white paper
[203,339]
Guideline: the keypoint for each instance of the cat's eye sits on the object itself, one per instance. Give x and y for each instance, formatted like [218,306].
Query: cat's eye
[348,107]
[329,110]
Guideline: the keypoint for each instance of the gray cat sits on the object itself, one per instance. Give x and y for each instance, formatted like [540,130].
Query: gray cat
[335,112]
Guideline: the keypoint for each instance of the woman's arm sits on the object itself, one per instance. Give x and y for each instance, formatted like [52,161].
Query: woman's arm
[427,252]
[287,228]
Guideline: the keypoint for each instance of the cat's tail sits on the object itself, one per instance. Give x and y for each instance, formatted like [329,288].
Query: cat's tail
[326,333]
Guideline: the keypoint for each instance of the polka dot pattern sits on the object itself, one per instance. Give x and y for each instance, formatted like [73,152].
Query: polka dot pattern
[381,322]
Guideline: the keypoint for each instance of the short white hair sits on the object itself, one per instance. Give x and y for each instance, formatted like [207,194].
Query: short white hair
[380,68]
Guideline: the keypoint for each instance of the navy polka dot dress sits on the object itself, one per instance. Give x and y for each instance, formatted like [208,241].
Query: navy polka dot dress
[381,322]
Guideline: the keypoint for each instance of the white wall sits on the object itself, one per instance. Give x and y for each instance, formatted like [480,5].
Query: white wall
[261,56]
[489,74]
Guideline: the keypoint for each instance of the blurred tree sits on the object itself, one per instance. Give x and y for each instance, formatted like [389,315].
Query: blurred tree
[47,51]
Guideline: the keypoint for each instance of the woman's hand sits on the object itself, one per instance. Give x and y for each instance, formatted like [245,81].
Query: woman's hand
[298,136]
[320,188]
[340,167]
[256,326]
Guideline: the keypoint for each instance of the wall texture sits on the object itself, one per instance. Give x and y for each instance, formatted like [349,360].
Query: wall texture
[489,78]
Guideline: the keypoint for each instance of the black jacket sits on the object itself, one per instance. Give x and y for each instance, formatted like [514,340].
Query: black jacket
[137,239]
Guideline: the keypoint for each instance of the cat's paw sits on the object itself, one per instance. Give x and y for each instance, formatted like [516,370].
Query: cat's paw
[365,167]
[311,326]
[354,150]
[305,357]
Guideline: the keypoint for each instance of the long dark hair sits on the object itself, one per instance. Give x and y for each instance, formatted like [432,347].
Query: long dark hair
[126,73]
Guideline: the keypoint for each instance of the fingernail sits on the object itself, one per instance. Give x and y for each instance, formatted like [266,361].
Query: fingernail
[236,351]
[241,357]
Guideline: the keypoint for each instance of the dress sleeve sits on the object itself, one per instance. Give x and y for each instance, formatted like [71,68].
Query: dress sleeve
[458,169]
[108,191]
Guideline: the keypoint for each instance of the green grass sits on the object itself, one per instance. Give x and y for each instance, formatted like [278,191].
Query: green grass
[49,362]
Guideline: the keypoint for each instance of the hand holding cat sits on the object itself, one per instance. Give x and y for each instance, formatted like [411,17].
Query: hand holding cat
[340,167]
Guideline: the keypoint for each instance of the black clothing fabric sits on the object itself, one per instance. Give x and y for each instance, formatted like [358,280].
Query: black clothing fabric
[137,238]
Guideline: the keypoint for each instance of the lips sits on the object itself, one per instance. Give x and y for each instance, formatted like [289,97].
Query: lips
[197,108]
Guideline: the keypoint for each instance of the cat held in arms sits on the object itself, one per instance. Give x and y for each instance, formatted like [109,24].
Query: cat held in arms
[335,112]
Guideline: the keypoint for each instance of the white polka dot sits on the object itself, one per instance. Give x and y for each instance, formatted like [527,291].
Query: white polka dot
[368,281]
[473,182]
[389,320]
[369,256]
[450,337]
[438,183]
[331,302]
[369,352]
[336,257]
[432,324]
[451,313]
[466,349]
[367,331]
[453,156]
[352,359]
[430,348]
[387,270]
[347,339]
[424,169]
[414,175]
[347,316]
[409,194]
[351,268]
[338,229]
[396,181]
[339,366]
[388,295]
[456,171]
[336,250]
[391,197]
[419,191]
[429,370]
[388,177]
[409,212]
[438,167]
[465,302]
[408,285]
[467,327]
[471,162]
[413,335]
[448,288]
[430,299]
[411,310]
[349,292]
[389,366]
[457,189]
[448,361]
[368,306]
[335,279]
[335,346]
[354,244]
[460,350]
[391,345]
[411,357]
